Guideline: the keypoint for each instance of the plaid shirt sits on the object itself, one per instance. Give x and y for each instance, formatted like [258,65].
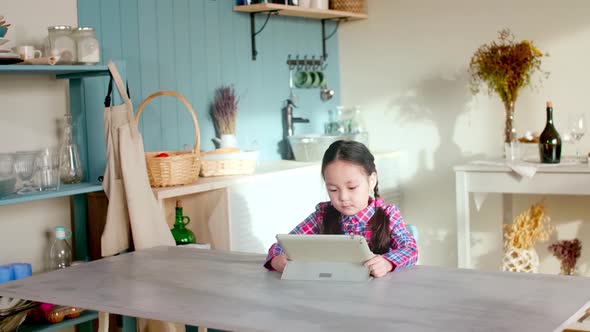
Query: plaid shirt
[402,253]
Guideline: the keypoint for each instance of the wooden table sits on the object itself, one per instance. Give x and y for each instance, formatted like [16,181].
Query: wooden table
[231,291]
[472,178]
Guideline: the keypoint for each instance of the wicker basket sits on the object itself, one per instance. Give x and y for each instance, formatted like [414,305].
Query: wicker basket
[355,6]
[180,167]
[229,164]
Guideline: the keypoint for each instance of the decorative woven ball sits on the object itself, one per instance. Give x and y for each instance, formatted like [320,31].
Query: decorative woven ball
[520,260]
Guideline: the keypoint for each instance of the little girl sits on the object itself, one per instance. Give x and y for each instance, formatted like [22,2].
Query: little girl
[349,172]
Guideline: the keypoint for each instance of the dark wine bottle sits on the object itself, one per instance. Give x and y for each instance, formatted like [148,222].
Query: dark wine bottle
[549,141]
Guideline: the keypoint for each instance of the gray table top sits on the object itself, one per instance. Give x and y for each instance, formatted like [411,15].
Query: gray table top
[231,291]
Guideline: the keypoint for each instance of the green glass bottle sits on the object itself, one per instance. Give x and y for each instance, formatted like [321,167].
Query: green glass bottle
[181,234]
[550,141]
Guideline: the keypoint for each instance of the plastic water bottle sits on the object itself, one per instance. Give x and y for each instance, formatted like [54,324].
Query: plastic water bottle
[60,255]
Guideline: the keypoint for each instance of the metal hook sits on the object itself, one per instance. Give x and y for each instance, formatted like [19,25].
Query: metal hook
[324,63]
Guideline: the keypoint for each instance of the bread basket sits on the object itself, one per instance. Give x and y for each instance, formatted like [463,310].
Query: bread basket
[228,162]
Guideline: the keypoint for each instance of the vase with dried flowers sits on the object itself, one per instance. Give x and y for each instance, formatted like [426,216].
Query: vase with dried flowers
[568,252]
[224,113]
[527,228]
[505,66]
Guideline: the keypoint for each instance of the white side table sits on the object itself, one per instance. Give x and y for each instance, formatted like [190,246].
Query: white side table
[549,179]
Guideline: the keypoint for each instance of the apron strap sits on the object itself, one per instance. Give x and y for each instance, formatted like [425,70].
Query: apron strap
[118,81]
[107,99]
[125,95]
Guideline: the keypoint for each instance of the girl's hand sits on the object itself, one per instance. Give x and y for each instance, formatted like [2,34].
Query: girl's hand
[278,263]
[378,266]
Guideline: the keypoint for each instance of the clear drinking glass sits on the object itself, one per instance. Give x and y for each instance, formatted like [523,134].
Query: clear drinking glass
[7,174]
[24,165]
[48,168]
[6,165]
[513,151]
[577,129]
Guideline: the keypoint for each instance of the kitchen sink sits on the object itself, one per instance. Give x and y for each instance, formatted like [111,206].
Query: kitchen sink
[311,147]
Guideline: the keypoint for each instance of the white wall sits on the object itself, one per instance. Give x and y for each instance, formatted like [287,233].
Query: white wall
[29,109]
[406,65]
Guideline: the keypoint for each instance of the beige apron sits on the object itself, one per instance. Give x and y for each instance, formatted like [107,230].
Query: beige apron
[131,200]
[132,205]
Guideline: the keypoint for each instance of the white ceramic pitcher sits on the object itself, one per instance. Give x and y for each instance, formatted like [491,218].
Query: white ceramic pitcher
[226,141]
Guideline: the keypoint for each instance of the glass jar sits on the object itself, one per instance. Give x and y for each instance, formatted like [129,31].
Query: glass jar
[87,46]
[335,125]
[357,124]
[61,44]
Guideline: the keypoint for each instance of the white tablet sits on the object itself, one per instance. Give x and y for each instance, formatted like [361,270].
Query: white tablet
[325,248]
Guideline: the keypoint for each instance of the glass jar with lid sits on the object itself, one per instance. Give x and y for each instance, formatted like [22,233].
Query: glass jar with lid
[61,44]
[87,46]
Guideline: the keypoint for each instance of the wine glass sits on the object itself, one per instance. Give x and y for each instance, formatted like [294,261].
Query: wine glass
[24,165]
[577,129]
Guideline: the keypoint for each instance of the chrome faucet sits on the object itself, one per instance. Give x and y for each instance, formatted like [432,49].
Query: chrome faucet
[288,121]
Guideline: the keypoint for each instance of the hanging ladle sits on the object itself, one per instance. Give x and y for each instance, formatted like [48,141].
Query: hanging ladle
[325,93]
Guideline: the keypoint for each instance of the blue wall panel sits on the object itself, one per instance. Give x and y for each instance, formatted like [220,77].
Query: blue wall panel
[195,46]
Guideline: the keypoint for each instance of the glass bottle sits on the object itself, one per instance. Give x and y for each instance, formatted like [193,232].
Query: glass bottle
[60,255]
[181,234]
[550,141]
[70,168]
[87,46]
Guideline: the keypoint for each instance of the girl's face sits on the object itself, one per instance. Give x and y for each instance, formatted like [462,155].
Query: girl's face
[348,186]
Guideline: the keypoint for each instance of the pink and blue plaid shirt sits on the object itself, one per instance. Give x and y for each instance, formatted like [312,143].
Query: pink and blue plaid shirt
[402,253]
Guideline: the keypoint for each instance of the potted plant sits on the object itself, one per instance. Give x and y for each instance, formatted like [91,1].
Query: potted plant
[224,113]
[505,66]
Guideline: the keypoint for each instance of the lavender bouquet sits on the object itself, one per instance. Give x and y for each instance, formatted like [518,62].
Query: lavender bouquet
[568,252]
[225,109]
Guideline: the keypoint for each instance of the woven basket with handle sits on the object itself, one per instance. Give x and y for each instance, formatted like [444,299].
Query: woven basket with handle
[355,6]
[179,167]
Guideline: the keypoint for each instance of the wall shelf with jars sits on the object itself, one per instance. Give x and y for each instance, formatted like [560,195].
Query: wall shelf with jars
[296,11]
[60,71]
